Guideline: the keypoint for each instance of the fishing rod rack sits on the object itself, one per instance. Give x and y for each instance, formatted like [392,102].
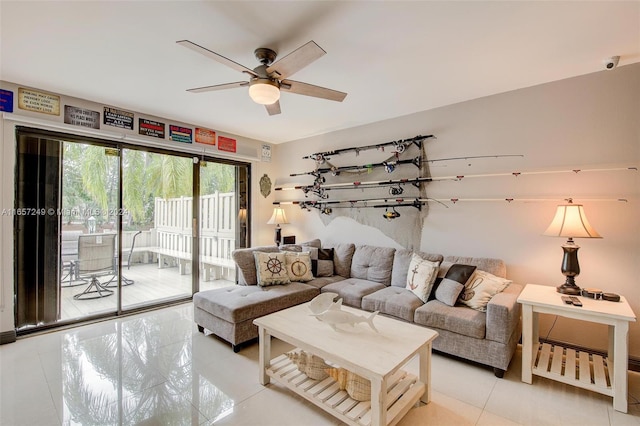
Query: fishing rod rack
[320,188]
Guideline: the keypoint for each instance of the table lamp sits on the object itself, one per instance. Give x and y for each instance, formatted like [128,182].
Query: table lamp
[571,222]
[277,218]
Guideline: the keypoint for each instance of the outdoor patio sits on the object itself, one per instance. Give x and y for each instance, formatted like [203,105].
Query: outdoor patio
[151,284]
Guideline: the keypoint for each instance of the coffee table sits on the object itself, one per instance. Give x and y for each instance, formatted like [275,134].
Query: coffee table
[375,356]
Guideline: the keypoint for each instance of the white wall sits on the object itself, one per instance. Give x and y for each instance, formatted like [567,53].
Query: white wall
[587,122]
[247,150]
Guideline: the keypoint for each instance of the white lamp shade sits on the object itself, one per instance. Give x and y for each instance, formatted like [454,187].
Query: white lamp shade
[264,92]
[277,217]
[570,221]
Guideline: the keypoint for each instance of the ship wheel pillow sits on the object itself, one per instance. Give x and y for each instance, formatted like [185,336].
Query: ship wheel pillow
[271,268]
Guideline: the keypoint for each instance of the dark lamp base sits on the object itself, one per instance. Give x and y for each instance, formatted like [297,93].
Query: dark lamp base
[572,290]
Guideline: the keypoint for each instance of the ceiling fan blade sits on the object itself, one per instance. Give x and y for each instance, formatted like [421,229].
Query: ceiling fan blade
[311,90]
[218,87]
[296,60]
[274,108]
[213,55]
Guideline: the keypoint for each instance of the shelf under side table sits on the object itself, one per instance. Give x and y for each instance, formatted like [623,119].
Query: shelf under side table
[577,368]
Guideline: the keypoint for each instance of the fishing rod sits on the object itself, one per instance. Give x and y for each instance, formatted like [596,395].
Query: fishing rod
[324,209]
[389,167]
[322,206]
[417,181]
[400,146]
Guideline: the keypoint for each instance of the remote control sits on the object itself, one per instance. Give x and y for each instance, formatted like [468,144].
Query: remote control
[567,300]
[576,301]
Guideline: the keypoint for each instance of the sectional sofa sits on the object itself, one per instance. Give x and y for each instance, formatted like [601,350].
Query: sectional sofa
[370,278]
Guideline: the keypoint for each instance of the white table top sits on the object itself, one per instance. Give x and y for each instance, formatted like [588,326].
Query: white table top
[547,296]
[359,347]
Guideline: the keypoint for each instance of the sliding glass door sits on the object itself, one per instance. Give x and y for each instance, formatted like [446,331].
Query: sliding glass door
[121,228]
[156,227]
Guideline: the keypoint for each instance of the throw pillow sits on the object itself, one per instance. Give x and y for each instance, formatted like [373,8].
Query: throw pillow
[271,268]
[457,273]
[324,267]
[481,288]
[421,276]
[298,266]
[321,261]
[448,291]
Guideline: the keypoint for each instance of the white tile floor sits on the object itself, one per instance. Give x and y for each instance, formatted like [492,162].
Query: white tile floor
[156,369]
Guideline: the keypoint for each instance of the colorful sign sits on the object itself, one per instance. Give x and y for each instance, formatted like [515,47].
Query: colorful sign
[118,118]
[151,128]
[205,136]
[180,134]
[33,100]
[6,100]
[81,117]
[226,144]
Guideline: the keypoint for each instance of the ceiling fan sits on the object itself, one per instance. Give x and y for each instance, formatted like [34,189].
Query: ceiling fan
[267,80]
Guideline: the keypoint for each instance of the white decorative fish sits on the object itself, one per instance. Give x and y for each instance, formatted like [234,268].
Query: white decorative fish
[336,316]
[322,302]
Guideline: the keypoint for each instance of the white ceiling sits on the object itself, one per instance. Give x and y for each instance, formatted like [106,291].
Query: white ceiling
[393,58]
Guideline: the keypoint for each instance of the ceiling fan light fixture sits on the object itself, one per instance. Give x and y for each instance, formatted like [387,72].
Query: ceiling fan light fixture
[264,91]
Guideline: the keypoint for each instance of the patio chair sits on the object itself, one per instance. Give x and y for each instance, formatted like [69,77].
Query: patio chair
[125,281]
[68,258]
[96,253]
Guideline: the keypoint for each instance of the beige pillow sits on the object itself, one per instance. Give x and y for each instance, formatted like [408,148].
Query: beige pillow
[298,266]
[271,268]
[421,276]
[480,288]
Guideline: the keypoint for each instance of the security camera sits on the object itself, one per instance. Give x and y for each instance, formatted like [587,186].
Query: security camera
[611,62]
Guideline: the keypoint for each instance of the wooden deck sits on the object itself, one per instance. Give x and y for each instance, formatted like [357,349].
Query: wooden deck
[151,285]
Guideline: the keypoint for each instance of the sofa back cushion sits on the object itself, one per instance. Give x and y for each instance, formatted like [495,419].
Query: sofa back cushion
[247,265]
[496,267]
[373,263]
[342,258]
[401,260]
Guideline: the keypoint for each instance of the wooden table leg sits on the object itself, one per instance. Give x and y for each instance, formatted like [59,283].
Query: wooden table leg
[618,352]
[378,402]
[265,355]
[527,343]
[424,358]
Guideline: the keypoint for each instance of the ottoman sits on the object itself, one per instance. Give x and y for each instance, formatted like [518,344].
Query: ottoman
[229,312]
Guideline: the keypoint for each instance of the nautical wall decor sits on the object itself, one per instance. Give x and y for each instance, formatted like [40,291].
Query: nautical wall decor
[265,185]
[393,197]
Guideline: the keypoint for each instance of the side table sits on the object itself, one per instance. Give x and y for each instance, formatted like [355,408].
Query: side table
[605,375]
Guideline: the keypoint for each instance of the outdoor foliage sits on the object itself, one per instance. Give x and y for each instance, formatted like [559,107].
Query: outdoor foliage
[90,182]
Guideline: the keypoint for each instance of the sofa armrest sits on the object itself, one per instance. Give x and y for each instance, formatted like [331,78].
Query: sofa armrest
[503,314]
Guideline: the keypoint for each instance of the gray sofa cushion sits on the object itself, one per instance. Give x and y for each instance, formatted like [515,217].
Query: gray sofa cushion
[401,260]
[247,264]
[373,263]
[352,290]
[496,267]
[302,246]
[397,302]
[458,319]
[320,282]
[240,303]
[342,257]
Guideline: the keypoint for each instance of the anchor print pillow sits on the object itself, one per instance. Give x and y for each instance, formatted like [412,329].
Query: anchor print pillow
[479,290]
[271,268]
[298,266]
[421,276]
